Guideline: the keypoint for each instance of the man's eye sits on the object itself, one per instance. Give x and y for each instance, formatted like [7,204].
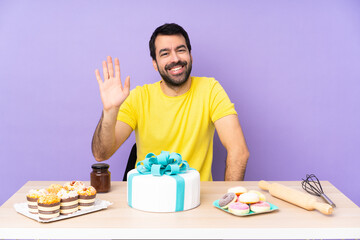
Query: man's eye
[163,54]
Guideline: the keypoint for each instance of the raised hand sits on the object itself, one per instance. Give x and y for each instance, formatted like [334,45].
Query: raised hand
[112,92]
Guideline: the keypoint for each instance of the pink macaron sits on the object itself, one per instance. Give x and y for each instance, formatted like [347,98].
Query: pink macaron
[238,208]
[260,207]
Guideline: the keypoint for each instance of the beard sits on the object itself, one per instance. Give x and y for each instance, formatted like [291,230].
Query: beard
[179,80]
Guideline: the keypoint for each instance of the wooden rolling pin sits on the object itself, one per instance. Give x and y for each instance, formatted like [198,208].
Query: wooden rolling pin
[295,197]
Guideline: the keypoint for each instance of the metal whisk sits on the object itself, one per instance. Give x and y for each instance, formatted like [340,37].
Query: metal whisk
[312,185]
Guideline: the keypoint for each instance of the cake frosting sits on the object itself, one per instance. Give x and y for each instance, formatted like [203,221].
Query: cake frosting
[163,183]
[74,185]
[54,188]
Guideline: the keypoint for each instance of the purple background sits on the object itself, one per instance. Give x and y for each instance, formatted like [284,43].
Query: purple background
[290,67]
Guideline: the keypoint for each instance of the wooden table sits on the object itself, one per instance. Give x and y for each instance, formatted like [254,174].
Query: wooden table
[120,221]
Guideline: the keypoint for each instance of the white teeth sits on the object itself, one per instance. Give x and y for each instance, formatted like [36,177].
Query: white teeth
[176,69]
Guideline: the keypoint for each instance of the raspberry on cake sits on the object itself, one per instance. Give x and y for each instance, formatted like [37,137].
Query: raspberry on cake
[49,206]
[32,197]
[87,197]
[69,202]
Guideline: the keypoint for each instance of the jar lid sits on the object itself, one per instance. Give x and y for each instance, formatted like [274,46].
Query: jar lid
[100,166]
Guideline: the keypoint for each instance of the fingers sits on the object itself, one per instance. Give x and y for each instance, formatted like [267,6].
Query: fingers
[110,66]
[117,68]
[105,71]
[98,77]
[108,70]
[126,88]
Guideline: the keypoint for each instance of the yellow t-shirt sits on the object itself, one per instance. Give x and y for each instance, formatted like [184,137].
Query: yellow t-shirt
[183,124]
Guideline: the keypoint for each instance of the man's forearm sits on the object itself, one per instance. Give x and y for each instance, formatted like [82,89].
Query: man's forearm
[104,141]
[236,166]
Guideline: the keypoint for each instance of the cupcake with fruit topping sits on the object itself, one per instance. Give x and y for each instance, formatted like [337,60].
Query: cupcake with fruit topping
[74,185]
[87,197]
[32,197]
[54,188]
[69,202]
[48,206]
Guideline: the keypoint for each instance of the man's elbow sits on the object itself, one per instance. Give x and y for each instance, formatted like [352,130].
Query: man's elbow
[246,154]
[100,157]
[242,153]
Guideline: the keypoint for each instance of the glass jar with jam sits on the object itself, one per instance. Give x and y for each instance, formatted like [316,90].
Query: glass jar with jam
[100,177]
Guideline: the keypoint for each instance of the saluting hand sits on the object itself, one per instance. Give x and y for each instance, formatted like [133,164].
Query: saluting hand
[112,92]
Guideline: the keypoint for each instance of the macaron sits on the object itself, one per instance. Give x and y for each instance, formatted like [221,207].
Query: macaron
[239,208]
[260,207]
[261,196]
[248,198]
[227,199]
[237,190]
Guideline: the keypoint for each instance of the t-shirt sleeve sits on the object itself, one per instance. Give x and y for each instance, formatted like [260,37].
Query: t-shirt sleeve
[220,104]
[127,113]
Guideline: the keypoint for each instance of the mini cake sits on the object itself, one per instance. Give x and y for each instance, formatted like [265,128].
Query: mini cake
[87,197]
[32,198]
[49,206]
[163,193]
[74,185]
[54,188]
[69,202]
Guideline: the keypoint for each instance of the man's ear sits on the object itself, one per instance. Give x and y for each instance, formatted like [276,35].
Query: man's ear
[155,65]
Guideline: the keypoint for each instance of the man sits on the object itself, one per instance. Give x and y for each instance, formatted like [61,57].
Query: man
[177,114]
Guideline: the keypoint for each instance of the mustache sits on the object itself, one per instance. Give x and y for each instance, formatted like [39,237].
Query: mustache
[179,63]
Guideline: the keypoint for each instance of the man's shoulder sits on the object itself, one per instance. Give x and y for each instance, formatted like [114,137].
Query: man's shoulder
[146,88]
[203,81]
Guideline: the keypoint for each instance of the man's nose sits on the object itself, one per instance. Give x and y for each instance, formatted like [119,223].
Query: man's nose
[174,57]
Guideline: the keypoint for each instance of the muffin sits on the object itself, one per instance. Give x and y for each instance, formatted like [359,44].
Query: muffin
[69,202]
[87,197]
[74,185]
[32,197]
[54,188]
[48,206]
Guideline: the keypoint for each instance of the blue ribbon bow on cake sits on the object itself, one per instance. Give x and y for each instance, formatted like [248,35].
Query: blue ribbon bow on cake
[166,163]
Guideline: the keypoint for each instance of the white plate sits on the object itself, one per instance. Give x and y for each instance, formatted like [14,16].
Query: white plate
[99,204]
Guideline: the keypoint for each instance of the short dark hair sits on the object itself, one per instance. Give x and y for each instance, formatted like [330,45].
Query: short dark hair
[167,29]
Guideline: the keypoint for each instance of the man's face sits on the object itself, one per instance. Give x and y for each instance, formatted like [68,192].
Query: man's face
[173,59]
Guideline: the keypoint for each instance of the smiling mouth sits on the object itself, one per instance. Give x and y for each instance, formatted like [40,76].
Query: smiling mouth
[177,70]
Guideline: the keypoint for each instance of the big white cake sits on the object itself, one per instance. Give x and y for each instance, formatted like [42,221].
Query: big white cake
[166,193]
